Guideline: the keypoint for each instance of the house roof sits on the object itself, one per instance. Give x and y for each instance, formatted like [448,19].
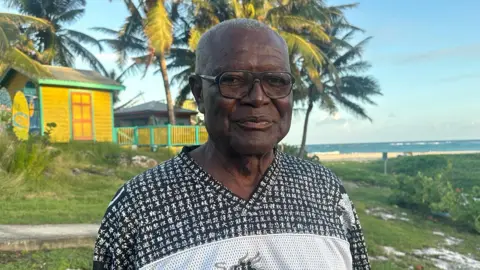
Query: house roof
[64,76]
[152,106]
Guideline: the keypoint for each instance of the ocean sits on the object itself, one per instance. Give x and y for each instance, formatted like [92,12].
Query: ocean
[420,146]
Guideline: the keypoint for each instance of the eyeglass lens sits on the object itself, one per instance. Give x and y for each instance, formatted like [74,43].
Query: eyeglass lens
[237,84]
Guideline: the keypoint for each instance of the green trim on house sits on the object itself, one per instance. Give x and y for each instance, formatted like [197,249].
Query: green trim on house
[114,137]
[96,86]
[40,103]
[197,135]
[169,135]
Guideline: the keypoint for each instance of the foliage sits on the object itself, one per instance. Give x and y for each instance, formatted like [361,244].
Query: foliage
[428,165]
[145,37]
[436,194]
[12,41]
[340,83]
[29,158]
[403,236]
[5,118]
[361,173]
[57,44]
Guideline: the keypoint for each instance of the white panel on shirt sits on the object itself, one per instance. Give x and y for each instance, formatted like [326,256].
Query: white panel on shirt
[262,252]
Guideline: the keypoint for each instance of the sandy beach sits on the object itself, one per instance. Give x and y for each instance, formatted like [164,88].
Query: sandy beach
[337,156]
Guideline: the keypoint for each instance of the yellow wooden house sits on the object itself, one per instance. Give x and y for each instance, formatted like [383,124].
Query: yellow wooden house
[79,102]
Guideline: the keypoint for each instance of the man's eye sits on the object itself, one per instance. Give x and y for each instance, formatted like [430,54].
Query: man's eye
[277,81]
[232,80]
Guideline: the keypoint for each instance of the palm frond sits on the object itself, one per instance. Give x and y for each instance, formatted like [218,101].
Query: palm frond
[63,56]
[83,38]
[158,28]
[358,110]
[238,9]
[4,40]
[356,51]
[195,35]
[85,54]
[183,95]
[309,51]
[357,67]
[326,102]
[132,70]
[31,21]
[182,77]
[105,30]
[13,57]
[301,24]
[70,16]
[360,87]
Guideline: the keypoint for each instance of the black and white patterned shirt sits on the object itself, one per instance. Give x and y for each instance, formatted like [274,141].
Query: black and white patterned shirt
[176,216]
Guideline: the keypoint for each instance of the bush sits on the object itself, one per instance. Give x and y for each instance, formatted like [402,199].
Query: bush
[99,153]
[436,194]
[361,172]
[30,158]
[428,165]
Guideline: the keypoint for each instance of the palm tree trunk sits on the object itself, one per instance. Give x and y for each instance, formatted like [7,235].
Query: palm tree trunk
[301,151]
[168,94]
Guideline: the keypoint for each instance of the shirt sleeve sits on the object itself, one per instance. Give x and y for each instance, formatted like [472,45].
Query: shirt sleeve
[354,233]
[115,241]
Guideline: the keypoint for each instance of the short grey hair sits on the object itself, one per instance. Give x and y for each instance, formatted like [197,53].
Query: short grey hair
[202,52]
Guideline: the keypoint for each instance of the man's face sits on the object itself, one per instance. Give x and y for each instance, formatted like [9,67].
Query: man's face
[254,124]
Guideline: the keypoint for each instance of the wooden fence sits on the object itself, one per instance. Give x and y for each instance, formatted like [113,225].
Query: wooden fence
[167,135]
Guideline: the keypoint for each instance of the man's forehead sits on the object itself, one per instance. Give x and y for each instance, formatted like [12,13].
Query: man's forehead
[245,48]
[261,58]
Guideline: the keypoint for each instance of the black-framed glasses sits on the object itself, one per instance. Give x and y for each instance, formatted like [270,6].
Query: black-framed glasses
[237,84]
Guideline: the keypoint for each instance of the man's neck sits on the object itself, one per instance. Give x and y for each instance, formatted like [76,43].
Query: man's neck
[239,173]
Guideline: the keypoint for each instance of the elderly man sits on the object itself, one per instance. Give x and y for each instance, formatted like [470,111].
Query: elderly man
[235,202]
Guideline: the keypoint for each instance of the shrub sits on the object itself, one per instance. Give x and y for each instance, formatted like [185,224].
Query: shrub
[30,157]
[436,193]
[428,165]
[360,172]
[98,153]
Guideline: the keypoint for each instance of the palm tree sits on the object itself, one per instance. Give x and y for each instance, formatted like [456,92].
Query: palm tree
[348,90]
[148,35]
[62,45]
[11,37]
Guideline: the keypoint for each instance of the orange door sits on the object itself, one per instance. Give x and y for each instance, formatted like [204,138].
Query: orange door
[82,116]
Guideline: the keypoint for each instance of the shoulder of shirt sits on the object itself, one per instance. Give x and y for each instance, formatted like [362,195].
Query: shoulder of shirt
[307,165]
[163,173]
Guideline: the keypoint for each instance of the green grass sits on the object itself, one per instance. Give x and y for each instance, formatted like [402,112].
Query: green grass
[60,259]
[61,196]
[465,169]
[403,236]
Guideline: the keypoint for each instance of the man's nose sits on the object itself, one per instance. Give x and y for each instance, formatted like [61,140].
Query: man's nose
[256,96]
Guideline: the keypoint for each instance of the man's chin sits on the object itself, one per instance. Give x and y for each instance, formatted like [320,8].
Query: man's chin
[252,149]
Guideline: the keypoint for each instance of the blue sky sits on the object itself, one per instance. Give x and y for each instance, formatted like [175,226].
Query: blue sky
[425,55]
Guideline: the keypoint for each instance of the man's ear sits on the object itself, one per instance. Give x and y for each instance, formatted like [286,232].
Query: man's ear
[195,83]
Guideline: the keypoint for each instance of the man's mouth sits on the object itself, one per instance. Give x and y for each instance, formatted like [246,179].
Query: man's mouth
[256,123]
